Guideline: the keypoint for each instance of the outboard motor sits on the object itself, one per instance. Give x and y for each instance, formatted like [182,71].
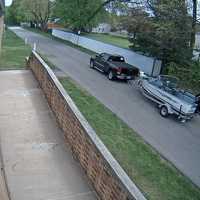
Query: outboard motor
[198,103]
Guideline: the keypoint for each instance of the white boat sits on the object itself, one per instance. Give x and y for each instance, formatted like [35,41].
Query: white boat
[171,100]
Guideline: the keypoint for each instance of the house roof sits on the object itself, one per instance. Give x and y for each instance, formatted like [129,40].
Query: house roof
[2,7]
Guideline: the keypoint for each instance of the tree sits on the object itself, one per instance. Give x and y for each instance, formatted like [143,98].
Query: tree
[14,13]
[75,13]
[136,21]
[194,22]
[166,34]
[37,10]
[104,3]
[1,21]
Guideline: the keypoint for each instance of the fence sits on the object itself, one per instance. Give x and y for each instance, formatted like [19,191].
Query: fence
[146,64]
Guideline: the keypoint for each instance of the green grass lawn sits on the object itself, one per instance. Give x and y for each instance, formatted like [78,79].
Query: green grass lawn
[156,177]
[110,39]
[14,52]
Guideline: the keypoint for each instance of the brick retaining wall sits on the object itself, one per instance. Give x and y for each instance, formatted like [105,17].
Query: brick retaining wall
[107,177]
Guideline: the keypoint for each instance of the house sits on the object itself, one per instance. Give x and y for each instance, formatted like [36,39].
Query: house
[102,28]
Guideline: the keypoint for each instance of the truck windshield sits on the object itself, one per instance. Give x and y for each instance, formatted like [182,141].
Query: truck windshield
[116,59]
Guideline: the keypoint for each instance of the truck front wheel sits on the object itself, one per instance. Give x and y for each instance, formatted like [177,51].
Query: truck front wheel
[164,111]
[110,75]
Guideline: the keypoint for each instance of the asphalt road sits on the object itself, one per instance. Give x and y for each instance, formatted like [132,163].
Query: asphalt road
[178,142]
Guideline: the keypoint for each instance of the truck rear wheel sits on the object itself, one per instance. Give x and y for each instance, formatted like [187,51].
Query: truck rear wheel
[164,111]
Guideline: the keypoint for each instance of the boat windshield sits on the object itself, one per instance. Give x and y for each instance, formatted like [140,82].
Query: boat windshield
[164,82]
[116,59]
[169,81]
[157,83]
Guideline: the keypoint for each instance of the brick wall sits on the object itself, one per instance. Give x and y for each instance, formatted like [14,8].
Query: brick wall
[103,171]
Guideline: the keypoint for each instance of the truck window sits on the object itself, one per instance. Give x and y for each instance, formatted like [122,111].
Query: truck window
[105,56]
[116,59]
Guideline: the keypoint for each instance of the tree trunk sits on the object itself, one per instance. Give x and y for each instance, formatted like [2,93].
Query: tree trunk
[194,21]
[99,9]
[44,27]
[134,37]
[32,24]
[1,31]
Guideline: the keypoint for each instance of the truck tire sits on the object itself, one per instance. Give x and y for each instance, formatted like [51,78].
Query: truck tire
[164,111]
[110,75]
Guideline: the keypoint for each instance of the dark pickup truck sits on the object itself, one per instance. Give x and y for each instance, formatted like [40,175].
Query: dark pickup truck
[114,66]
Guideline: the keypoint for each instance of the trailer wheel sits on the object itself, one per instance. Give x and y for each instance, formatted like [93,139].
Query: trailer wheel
[164,111]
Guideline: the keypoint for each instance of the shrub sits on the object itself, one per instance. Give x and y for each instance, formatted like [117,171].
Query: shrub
[189,75]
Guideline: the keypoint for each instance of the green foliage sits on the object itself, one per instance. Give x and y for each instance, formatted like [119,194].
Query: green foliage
[38,11]
[114,21]
[14,14]
[166,34]
[189,75]
[75,13]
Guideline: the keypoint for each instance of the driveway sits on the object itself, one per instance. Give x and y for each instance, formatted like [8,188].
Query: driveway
[178,142]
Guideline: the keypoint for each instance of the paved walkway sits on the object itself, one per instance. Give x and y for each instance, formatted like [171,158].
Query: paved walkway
[38,165]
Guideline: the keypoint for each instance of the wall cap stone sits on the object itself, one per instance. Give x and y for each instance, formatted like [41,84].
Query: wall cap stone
[128,184]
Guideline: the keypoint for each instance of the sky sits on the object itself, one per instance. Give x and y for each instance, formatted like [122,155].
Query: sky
[8,2]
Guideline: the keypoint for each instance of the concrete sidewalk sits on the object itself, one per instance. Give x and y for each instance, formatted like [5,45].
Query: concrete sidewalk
[38,165]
